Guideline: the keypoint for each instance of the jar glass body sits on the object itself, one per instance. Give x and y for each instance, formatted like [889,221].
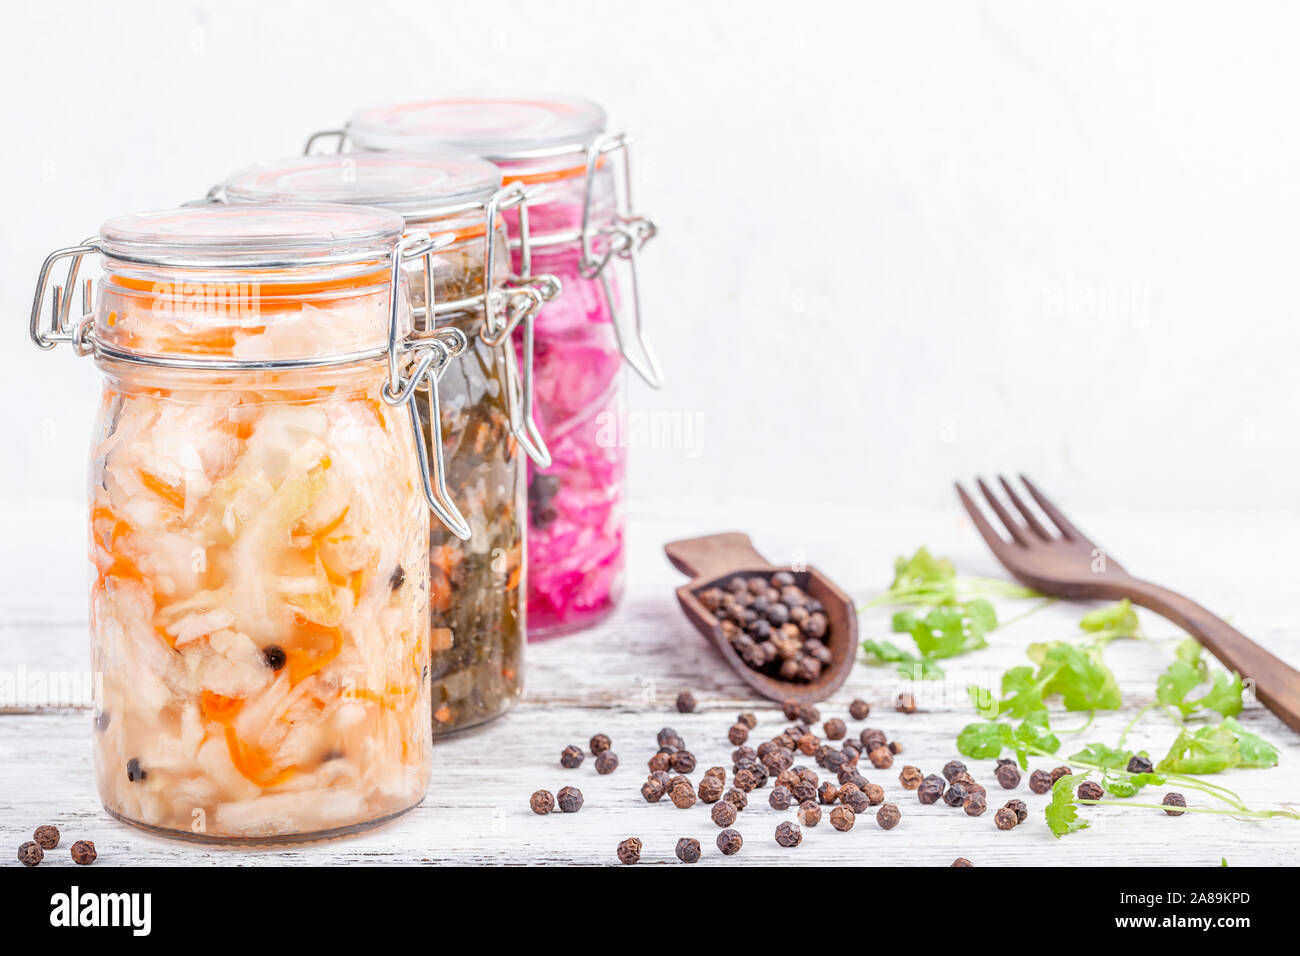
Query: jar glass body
[477,587]
[259,609]
[576,507]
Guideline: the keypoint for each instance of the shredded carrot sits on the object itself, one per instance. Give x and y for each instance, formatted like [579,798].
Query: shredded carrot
[442,714]
[305,661]
[253,762]
[219,707]
[163,490]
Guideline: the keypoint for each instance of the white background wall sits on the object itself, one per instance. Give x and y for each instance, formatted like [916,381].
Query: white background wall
[900,243]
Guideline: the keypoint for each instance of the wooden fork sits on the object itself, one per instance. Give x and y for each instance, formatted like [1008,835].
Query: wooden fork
[1064,563]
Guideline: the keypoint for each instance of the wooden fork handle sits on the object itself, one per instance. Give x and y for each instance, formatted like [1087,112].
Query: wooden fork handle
[714,555]
[1277,684]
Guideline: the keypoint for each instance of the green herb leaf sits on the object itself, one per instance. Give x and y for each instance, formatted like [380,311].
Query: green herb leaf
[1080,677]
[982,741]
[1255,750]
[921,569]
[1062,812]
[1119,620]
[1208,750]
[1100,755]
[909,665]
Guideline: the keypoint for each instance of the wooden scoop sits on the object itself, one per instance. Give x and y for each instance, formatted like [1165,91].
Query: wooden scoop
[714,560]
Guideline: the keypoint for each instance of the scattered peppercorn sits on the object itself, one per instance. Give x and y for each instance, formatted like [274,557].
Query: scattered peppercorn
[1090,790]
[929,792]
[888,816]
[1174,800]
[710,789]
[606,762]
[629,851]
[790,708]
[952,768]
[1005,819]
[745,779]
[835,729]
[748,719]
[910,778]
[1019,809]
[828,793]
[738,734]
[599,744]
[874,793]
[788,834]
[134,772]
[688,850]
[274,657]
[1040,781]
[683,761]
[856,799]
[569,799]
[809,714]
[29,854]
[682,796]
[955,795]
[686,702]
[872,739]
[842,819]
[653,790]
[83,853]
[881,758]
[779,798]
[736,798]
[1060,772]
[961,861]
[659,762]
[1008,776]
[895,747]
[571,757]
[974,804]
[47,837]
[724,814]
[543,803]
[729,842]
[1139,764]
[859,709]
[809,813]
[666,735]
[905,703]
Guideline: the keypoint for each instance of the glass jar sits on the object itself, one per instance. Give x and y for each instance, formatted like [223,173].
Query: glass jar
[577,226]
[258,520]
[476,585]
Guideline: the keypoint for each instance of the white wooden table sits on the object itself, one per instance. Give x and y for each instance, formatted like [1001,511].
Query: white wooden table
[621,679]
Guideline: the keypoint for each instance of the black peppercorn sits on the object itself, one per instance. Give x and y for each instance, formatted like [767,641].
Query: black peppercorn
[688,850]
[666,735]
[1139,764]
[809,714]
[910,778]
[652,790]
[542,802]
[629,851]
[929,792]
[856,799]
[888,816]
[955,795]
[804,792]
[736,798]
[738,734]
[83,852]
[273,656]
[29,854]
[599,744]
[871,739]
[1005,819]
[606,762]
[683,761]
[905,703]
[686,702]
[1008,775]
[1040,781]
[395,580]
[571,757]
[46,837]
[724,814]
[974,804]
[729,842]
[748,719]
[788,834]
[952,768]
[1174,800]
[682,795]
[859,709]
[809,813]
[569,799]
[1019,809]
[659,762]
[744,780]
[1090,790]
[779,798]
[835,729]
[1060,772]
[961,861]
[881,758]
[710,789]
[842,818]
[874,793]
[134,772]
[791,709]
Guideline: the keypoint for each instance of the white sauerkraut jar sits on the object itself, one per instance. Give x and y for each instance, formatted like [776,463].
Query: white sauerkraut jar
[258,519]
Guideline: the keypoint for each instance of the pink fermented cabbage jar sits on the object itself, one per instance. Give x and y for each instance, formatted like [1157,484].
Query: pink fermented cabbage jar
[577,227]
[258,517]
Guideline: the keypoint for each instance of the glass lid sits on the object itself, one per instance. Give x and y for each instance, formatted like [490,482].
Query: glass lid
[270,235]
[414,185]
[494,125]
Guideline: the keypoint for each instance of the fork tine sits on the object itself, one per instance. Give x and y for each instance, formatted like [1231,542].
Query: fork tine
[1030,518]
[997,544]
[1061,521]
[1014,528]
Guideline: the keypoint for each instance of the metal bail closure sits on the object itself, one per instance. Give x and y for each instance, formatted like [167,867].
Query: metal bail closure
[625,237]
[431,352]
[59,329]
